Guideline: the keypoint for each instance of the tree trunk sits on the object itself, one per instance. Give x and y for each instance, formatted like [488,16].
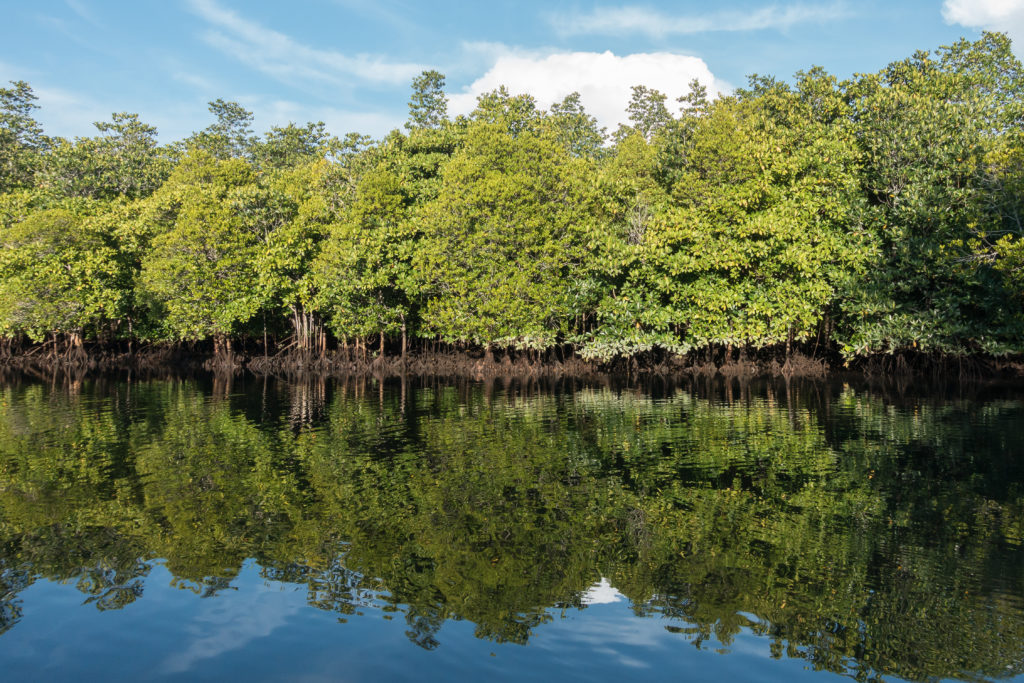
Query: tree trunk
[296,327]
[221,346]
[404,340]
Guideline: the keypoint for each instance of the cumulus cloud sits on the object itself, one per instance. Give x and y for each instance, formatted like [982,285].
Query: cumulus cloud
[285,59]
[616,20]
[992,15]
[602,79]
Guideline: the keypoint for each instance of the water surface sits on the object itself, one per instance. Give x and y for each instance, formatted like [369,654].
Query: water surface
[430,529]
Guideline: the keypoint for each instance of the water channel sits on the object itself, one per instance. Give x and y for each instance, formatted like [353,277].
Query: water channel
[328,529]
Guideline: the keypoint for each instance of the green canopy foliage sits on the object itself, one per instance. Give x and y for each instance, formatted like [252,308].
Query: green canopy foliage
[933,132]
[124,161]
[511,194]
[200,271]
[881,214]
[21,137]
[59,274]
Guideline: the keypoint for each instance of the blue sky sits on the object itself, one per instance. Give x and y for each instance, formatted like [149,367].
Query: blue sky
[349,63]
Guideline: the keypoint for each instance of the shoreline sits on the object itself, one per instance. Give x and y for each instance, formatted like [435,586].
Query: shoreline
[475,363]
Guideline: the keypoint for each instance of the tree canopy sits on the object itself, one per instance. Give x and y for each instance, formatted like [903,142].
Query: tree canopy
[879,214]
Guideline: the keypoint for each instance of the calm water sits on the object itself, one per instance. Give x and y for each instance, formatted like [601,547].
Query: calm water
[194,529]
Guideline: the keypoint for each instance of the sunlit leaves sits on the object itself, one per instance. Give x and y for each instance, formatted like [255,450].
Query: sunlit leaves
[200,272]
[59,274]
[504,237]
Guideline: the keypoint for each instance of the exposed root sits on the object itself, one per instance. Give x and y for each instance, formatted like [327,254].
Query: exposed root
[799,365]
[297,361]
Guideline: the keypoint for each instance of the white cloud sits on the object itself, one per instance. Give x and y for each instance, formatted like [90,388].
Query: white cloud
[618,20]
[602,593]
[281,57]
[603,79]
[993,15]
[232,623]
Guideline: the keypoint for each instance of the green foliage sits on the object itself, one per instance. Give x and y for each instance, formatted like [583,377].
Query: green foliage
[428,106]
[200,273]
[757,237]
[576,129]
[59,274]
[933,135]
[294,237]
[512,114]
[630,318]
[231,136]
[510,195]
[21,138]
[881,214]
[292,145]
[125,161]
[733,230]
[648,114]
[364,276]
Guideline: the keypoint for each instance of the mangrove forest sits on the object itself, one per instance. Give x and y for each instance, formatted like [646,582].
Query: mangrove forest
[844,219]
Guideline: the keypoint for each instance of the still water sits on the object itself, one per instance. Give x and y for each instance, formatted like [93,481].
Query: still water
[253,529]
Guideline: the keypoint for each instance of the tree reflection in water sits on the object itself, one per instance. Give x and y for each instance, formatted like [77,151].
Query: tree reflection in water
[861,535]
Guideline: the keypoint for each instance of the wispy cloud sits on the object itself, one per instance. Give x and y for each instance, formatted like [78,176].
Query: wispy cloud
[396,17]
[66,113]
[69,114]
[14,72]
[77,36]
[84,12]
[194,80]
[232,624]
[285,59]
[617,20]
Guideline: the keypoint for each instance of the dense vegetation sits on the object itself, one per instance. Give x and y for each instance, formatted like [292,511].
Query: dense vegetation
[865,538]
[874,215]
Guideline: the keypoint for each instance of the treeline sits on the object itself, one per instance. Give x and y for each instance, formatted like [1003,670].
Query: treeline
[874,215]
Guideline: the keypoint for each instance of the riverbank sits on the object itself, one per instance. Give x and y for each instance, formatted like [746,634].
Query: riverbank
[476,363]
